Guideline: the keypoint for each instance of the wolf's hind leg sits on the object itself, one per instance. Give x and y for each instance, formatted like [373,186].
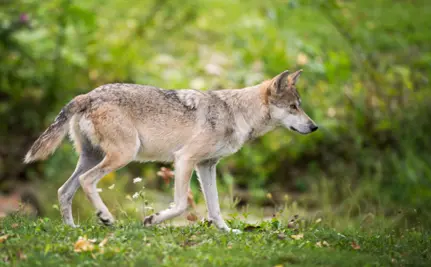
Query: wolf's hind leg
[89,158]
[89,180]
[118,139]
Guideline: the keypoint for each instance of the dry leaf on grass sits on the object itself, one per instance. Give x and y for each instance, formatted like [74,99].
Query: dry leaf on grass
[297,237]
[192,217]
[355,246]
[3,238]
[103,242]
[83,244]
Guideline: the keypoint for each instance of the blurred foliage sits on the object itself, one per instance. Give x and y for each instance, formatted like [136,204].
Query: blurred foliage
[366,82]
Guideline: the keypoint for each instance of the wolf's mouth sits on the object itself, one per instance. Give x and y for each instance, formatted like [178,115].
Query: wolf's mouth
[293,129]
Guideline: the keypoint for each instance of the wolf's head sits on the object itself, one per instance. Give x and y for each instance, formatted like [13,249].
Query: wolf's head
[285,103]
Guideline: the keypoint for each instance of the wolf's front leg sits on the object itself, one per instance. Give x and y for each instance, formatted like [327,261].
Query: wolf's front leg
[206,172]
[183,173]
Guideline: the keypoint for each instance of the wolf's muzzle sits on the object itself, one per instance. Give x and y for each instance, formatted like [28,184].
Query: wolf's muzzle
[313,128]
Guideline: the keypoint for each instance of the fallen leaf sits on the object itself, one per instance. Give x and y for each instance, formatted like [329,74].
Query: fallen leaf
[319,244]
[297,237]
[192,217]
[83,244]
[103,242]
[355,246]
[3,238]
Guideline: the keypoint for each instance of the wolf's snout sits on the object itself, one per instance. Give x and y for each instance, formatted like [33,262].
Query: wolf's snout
[313,128]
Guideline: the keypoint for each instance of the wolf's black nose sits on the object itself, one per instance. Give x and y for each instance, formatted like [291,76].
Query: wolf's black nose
[314,127]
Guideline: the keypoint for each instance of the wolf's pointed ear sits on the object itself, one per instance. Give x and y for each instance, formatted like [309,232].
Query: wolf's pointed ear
[280,82]
[293,78]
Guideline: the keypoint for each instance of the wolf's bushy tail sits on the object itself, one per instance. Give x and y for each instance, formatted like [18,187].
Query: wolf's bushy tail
[49,140]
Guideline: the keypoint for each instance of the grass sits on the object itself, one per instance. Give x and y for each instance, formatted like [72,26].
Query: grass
[44,242]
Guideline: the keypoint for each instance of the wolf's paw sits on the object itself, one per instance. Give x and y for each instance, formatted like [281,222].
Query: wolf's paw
[106,218]
[149,220]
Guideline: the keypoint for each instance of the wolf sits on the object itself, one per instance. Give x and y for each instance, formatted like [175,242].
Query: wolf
[115,124]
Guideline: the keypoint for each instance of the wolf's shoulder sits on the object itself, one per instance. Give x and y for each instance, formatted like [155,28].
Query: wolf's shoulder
[189,98]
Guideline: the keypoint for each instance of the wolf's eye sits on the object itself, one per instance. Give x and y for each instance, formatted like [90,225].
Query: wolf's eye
[293,106]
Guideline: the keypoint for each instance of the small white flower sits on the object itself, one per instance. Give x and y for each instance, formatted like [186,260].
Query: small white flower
[135,195]
[99,190]
[111,187]
[137,180]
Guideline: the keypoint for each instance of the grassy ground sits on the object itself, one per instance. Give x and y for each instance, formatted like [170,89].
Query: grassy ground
[44,242]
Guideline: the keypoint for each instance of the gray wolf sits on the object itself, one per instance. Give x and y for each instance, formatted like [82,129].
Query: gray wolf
[115,124]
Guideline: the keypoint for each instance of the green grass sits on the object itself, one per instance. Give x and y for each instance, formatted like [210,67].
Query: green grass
[45,242]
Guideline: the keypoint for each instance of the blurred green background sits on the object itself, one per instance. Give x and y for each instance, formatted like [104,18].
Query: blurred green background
[367,66]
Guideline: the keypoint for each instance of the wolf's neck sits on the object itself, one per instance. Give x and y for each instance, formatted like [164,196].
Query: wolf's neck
[250,111]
